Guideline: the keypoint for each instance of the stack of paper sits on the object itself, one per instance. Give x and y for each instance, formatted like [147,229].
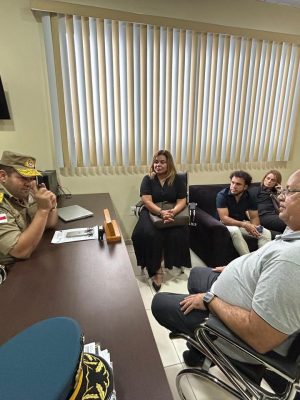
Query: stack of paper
[75,235]
[94,348]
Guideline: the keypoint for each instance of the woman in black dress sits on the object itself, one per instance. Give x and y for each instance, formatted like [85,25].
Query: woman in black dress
[152,244]
[267,203]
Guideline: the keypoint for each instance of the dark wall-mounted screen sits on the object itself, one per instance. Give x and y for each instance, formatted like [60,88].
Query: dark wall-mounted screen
[4,113]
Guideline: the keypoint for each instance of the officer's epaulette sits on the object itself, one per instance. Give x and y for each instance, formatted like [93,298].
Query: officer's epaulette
[1,197]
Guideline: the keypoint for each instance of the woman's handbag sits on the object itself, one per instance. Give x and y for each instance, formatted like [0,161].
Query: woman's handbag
[180,219]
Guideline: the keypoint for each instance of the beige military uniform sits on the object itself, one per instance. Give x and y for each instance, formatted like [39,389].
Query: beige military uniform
[14,219]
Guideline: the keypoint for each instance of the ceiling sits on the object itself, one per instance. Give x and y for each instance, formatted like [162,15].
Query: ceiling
[292,3]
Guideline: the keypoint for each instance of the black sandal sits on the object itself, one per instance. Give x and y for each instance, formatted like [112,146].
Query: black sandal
[157,286]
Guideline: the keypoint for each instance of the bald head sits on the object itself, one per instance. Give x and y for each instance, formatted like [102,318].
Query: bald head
[289,210]
[295,175]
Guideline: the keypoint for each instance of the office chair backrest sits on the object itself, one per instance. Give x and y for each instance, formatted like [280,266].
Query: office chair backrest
[184,177]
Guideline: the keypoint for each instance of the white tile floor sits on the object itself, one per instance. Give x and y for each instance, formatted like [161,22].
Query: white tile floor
[171,351]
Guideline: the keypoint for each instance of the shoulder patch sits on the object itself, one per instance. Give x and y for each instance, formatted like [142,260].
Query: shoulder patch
[1,197]
[3,218]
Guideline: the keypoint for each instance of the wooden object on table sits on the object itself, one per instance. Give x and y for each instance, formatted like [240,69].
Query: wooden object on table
[111,228]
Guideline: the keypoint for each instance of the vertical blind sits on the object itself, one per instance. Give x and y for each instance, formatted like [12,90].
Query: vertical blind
[120,91]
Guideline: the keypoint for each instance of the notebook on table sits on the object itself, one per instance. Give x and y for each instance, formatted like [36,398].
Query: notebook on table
[72,213]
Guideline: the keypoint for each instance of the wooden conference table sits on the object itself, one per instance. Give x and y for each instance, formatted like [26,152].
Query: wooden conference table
[92,282]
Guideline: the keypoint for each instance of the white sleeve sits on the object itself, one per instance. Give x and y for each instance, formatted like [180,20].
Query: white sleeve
[277,295]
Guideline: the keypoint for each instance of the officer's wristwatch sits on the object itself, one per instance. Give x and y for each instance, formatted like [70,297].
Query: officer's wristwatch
[208,297]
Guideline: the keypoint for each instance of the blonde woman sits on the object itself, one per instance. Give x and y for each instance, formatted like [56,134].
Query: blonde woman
[151,245]
[266,197]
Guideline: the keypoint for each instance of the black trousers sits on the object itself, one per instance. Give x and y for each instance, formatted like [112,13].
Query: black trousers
[272,222]
[166,307]
[151,244]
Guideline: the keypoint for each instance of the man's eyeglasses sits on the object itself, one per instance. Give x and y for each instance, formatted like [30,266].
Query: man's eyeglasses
[286,192]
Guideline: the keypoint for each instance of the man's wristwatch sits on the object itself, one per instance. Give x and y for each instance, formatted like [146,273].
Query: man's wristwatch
[208,297]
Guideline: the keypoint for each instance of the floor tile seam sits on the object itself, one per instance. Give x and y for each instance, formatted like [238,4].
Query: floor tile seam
[177,355]
[187,381]
[177,351]
[173,365]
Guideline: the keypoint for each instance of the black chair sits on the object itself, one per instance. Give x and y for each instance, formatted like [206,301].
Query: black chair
[209,238]
[192,206]
[282,373]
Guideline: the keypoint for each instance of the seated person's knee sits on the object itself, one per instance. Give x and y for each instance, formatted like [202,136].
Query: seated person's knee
[235,231]
[158,305]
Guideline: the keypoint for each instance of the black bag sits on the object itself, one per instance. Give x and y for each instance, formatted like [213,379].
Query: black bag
[180,219]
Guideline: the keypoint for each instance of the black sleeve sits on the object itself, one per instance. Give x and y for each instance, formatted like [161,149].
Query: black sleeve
[146,187]
[221,200]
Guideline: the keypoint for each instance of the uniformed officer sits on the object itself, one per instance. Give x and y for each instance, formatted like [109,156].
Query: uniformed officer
[25,210]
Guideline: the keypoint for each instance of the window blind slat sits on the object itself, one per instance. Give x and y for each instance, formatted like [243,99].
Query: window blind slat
[168,105]
[60,91]
[102,92]
[89,91]
[130,94]
[192,91]
[180,93]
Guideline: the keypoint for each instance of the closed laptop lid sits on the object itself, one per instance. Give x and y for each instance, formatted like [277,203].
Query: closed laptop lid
[72,213]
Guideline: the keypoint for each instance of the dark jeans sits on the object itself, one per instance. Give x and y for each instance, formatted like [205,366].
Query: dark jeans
[166,307]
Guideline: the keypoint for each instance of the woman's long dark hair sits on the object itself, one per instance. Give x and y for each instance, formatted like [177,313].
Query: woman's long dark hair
[171,170]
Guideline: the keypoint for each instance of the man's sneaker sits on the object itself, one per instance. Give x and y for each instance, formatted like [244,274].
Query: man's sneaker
[193,358]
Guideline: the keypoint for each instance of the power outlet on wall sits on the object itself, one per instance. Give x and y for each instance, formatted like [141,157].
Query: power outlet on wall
[132,210]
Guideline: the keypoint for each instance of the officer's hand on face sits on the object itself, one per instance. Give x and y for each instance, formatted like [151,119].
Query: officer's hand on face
[53,200]
[45,199]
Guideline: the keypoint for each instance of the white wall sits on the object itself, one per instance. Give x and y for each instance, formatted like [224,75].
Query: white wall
[24,76]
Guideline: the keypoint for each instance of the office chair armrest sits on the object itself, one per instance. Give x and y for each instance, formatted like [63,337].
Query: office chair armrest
[216,329]
[138,208]
[192,212]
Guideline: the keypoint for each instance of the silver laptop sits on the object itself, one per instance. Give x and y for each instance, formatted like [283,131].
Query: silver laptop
[72,213]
